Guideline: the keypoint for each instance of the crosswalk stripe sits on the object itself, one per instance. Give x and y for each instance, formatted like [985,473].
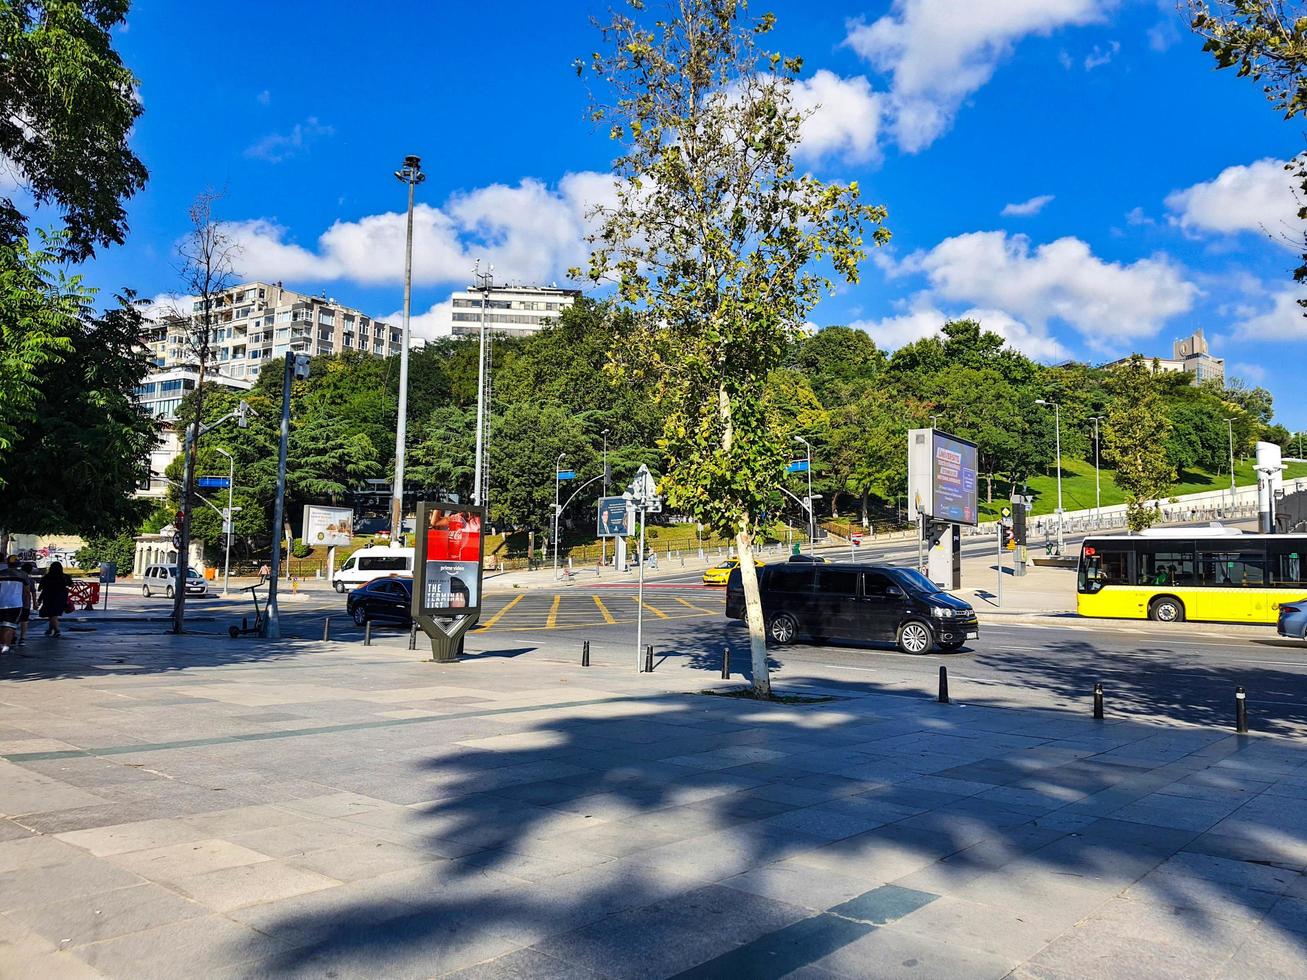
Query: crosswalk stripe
[608,617]
[691,605]
[553,613]
[500,615]
[653,609]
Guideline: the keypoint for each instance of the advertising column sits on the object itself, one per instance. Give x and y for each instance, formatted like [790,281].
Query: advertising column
[942,482]
[447,574]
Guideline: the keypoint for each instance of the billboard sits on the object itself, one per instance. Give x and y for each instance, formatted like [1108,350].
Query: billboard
[616,517]
[447,566]
[942,476]
[329,526]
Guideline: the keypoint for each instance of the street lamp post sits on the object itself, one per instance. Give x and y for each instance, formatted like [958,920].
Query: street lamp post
[812,518]
[412,175]
[558,469]
[1229,428]
[1098,488]
[297,368]
[229,518]
[485,282]
[1057,435]
[603,542]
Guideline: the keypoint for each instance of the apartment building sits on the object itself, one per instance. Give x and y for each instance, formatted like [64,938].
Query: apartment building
[511,311]
[258,321]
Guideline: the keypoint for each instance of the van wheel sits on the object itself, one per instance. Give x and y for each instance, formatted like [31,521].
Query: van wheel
[340,587]
[1167,609]
[915,637]
[145,591]
[782,629]
[168,592]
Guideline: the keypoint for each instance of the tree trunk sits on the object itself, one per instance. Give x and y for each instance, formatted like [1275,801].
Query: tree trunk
[989,488]
[753,616]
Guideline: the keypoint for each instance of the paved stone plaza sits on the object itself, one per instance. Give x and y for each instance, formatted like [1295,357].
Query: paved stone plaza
[208,807]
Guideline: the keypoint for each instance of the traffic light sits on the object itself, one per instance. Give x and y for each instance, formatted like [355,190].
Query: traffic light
[1004,536]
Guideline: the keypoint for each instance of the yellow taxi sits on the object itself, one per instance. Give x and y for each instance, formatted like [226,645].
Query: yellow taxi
[718,574]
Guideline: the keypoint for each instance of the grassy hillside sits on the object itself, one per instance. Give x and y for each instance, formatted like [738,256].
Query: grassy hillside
[1078,486]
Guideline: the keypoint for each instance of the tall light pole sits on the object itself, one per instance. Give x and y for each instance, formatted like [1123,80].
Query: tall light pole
[297,368]
[1229,428]
[484,282]
[603,542]
[812,518]
[1098,489]
[934,421]
[558,469]
[229,518]
[412,175]
[1057,430]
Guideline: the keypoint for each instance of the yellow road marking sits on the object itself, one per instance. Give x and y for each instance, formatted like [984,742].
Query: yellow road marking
[553,613]
[595,625]
[500,615]
[691,605]
[608,617]
[653,609]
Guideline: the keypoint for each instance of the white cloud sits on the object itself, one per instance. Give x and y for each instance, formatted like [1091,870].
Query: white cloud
[435,323]
[530,232]
[1283,321]
[1061,280]
[1027,208]
[1248,372]
[167,305]
[926,320]
[844,117]
[1101,55]
[276,147]
[938,52]
[1258,197]
[264,97]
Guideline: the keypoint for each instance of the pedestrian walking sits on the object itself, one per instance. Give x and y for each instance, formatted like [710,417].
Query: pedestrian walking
[54,597]
[16,584]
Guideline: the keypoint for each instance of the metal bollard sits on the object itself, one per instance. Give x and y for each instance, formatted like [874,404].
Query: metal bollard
[726,663]
[1098,702]
[326,629]
[413,636]
[648,659]
[943,684]
[1240,711]
[585,653]
[367,633]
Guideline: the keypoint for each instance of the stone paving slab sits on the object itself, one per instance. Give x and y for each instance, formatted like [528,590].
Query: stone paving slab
[330,810]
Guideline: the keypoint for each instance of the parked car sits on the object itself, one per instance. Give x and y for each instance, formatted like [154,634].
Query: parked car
[846,601]
[385,600]
[1293,619]
[163,578]
[369,563]
[718,574]
[802,558]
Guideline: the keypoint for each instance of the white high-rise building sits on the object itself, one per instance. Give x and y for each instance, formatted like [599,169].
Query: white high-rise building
[511,311]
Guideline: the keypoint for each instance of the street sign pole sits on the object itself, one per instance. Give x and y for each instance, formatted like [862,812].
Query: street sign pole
[639,602]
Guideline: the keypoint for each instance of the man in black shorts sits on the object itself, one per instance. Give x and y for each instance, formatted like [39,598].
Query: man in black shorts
[13,598]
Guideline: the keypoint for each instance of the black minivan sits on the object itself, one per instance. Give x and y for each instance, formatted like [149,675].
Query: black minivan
[856,602]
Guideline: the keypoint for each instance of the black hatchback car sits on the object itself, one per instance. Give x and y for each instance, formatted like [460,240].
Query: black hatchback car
[843,601]
[383,600]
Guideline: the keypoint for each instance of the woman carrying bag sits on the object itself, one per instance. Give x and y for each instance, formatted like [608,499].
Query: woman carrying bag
[54,597]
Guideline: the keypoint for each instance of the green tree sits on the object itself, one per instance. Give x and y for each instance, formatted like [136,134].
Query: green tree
[713,237]
[1267,41]
[119,549]
[527,442]
[76,460]
[1135,439]
[67,107]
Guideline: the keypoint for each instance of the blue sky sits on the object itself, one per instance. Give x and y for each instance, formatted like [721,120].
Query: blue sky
[1137,182]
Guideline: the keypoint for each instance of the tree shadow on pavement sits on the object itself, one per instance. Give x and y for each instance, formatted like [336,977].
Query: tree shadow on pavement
[643,836]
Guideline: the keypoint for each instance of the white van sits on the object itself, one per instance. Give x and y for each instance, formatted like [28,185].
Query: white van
[369,563]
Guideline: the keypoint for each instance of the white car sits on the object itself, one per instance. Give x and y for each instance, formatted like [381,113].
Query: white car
[163,578]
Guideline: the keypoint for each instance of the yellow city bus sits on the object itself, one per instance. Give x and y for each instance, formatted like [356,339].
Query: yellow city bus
[1215,574]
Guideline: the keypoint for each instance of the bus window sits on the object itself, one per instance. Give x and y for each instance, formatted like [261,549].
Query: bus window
[1103,568]
[1287,565]
[1171,564]
[1225,567]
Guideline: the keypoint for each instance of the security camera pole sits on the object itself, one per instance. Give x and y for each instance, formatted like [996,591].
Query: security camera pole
[297,368]
[411,174]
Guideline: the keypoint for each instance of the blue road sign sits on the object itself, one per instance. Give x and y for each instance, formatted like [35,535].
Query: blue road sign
[567,474]
[798,466]
[212,482]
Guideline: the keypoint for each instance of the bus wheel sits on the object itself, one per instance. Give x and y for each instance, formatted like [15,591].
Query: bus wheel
[1167,609]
